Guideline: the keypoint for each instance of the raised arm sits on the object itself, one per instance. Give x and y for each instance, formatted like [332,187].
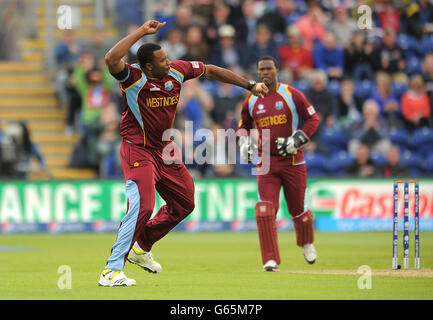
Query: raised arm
[113,58]
[228,76]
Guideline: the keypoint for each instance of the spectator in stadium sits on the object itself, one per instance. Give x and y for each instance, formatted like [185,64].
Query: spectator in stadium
[174,44]
[246,25]
[128,12]
[358,57]
[195,103]
[389,16]
[226,53]
[225,99]
[9,25]
[196,46]
[85,63]
[415,104]
[392,169]
[419,17]
[132,53]
[109,143]
[183,18]
[264,46]
[363,166]
[294,56]
[220,167]
[349,106]
[343,26]
[66,54]
[97,46]
[68,50]
[278,18]
[311,25]
[219,18]
[373,131]
[388,56]
[329,56]
[428,80]
[94,87]
[233,115]
[389,107]
[322,99]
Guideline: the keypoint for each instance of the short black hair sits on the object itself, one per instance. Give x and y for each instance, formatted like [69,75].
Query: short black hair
[145,53]
[268,58]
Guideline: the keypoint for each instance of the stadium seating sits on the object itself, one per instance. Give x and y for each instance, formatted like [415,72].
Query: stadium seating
[379,159]
[426,44]
[399,137]
[422,141]
[413,65]
[364,88]
[413,162]
[337,162]
[398,89]
[315,164]
[334,87]
[334,139]
[429,164]
[301,85]
[409,44]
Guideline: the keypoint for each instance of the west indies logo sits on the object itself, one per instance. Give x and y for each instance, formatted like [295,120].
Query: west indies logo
[168,85]
[279,105]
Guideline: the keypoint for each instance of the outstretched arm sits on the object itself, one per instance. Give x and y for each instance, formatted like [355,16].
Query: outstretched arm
[228,76]
[113,58]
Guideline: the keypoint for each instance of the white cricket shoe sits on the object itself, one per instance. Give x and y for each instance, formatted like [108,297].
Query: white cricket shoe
[270,265]
[310,253]
[143,259]
[111,278]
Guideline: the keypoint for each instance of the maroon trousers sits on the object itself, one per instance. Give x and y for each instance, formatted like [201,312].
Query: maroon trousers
[144,172]
[293,179]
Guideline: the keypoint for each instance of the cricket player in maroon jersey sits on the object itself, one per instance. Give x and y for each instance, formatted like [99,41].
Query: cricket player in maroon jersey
[281,112]
[150,92]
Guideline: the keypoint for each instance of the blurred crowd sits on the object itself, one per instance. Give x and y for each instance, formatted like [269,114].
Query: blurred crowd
[370,80]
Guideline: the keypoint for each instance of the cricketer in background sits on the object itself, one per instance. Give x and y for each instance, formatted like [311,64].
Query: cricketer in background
[281,111]
[151,92]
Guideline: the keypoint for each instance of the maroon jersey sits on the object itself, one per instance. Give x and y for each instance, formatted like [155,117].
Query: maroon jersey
[281,112]
[150,104]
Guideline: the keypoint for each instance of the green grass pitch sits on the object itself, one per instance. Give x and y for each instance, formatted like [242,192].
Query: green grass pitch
[215,266]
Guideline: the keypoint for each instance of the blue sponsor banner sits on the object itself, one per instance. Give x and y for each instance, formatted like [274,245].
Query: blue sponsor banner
[320,225]
[364,225]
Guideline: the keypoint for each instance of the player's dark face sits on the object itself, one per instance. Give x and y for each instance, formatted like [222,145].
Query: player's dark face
[160,64]
[267,72]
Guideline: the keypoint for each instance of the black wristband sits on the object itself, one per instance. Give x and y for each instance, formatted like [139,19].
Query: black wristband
[122,75]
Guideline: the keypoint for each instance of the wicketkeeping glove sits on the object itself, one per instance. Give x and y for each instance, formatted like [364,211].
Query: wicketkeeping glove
[289,146]
[246,148]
